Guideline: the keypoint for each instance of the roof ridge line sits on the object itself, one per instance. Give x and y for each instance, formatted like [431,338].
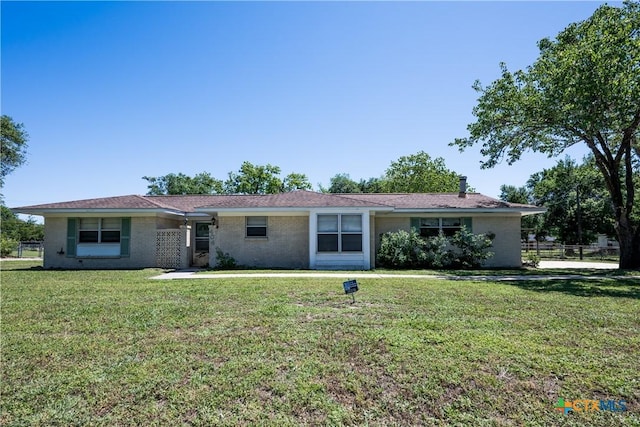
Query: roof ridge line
[153,202]
[344,196]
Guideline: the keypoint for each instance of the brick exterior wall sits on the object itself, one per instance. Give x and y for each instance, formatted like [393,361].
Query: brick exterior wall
[142,245]
[506,245]
[286,244]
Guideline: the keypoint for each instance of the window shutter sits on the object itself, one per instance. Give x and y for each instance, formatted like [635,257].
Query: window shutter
[468,223]
[415,223]
[125,237]
[72,225]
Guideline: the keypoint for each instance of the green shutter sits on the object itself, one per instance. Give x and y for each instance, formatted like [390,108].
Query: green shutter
[71,237]
[125,237]
[468,223]
[415,223]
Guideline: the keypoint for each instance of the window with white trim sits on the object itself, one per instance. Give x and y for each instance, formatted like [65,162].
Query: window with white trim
[99,230]
[256,226]
[339,233]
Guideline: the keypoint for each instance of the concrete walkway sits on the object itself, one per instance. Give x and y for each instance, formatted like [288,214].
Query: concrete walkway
[579,265]
[193,274]
[196,273]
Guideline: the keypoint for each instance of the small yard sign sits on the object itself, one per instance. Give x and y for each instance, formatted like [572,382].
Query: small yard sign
[351,287]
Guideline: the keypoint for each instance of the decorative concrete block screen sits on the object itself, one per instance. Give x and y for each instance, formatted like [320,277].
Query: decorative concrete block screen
[169,248]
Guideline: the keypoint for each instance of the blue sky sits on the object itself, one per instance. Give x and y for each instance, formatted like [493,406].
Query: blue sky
[113,91]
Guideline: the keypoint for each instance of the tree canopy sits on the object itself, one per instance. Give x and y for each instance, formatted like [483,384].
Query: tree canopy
[576,199]
[419,173]
[250,179]
[583,88]
[16,229]
[342,183]
[263,179]
[13,146]
[180,184]
[531,224]
[415,173]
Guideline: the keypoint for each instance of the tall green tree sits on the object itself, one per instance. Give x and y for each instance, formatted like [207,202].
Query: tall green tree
[295,181]
[513,194]
[250,179]
[576,198]
[419,173]
[263,179]
[372,185]
[583,89]
[17,229]
[342,183]
[415,173]
[180,184]
[577,202]
[531,224]
[254,179]
[13,146]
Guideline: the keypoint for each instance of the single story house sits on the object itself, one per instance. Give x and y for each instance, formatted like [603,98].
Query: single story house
[295,230]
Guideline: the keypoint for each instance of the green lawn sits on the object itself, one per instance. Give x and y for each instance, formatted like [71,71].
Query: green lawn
[114,348]
[26,253]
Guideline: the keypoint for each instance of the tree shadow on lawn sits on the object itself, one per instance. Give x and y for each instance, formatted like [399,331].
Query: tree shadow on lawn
[525,271]
[617,288]
[46,270]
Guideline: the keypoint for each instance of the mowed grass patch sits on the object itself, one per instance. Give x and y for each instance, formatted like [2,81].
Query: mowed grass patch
[453,274]
[112,347]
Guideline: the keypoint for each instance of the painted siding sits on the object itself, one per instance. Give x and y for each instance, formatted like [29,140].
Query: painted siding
[343,261]
[286,244]
[372,241]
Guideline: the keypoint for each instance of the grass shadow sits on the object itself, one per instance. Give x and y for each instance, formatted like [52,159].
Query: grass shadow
[32,268]
[604,287]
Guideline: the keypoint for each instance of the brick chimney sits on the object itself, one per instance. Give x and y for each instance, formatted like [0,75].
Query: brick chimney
[463,187]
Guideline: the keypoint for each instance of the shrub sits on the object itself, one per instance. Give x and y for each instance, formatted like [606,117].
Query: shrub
[532,260]
[402,249]
[472,249]
[437,251]
[224,261]
[7,246]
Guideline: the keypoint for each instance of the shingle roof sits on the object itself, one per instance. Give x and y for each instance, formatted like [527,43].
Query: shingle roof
[436,200]
[294,199]
[118,202]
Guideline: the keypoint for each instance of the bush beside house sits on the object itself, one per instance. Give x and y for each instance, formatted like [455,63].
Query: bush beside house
[407,249]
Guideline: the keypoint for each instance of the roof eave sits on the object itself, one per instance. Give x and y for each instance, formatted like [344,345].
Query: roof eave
[521,211]
[93,211]
[296,209]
